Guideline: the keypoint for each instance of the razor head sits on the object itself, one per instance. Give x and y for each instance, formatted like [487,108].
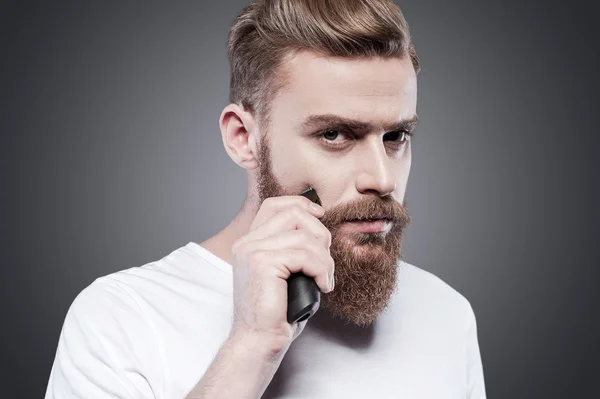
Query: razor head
[311,194]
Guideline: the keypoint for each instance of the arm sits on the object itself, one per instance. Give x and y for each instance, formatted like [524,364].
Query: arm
[243,368]
[285,237]
[105,349]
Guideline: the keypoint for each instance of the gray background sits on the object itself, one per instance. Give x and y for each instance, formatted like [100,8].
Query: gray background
[112,158]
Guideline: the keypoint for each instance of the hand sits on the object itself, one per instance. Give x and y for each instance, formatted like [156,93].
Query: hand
[285,237]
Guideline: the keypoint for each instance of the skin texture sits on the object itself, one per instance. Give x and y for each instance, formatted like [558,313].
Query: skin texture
[363,176]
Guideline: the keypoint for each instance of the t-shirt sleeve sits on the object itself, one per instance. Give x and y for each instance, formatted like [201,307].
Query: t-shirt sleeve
[475,380]
[105,349]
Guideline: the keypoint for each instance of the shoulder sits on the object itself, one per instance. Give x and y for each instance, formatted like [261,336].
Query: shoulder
[425,289]
[106,323]
[190,264]
[105,343]
[136,294]
[117,296]
[102,304]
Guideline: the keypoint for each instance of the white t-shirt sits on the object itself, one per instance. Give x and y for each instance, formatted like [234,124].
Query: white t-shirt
[152,331]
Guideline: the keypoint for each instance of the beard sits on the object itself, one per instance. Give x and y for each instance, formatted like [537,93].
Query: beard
[366,264]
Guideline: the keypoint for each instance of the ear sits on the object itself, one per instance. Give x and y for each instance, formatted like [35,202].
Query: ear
[238,130]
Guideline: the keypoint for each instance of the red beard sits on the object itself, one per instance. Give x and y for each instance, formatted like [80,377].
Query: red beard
[366,264]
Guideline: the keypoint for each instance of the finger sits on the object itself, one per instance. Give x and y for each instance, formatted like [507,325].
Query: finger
[274,205]
[293,218]
[288,261]
[295,239]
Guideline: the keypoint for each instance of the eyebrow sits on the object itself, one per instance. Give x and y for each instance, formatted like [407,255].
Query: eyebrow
[339,122]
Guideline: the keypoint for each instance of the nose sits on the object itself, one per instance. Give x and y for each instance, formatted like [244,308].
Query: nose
[376,170]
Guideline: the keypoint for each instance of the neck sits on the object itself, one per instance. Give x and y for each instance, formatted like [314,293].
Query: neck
[220,244]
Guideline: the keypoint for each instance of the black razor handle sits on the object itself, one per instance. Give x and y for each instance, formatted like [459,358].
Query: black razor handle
[304,296]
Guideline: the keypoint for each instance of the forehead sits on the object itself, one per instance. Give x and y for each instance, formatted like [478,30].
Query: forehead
[371,89]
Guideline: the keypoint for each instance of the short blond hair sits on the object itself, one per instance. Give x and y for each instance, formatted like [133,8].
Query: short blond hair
[267,31]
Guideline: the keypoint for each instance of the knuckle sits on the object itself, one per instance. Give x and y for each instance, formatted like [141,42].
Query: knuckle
[258,257]
[295,212]
[305,236]
[304,257]
[268,202]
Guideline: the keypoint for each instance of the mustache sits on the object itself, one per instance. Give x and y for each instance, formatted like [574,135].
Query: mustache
[367,209]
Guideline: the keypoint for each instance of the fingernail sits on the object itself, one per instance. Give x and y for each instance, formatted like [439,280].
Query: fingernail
[331,283]
[316,208]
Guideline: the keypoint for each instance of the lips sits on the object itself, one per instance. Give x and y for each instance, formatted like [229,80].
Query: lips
[368,225]
[372,219]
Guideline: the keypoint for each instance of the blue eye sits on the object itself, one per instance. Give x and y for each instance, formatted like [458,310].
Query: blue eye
[327,135]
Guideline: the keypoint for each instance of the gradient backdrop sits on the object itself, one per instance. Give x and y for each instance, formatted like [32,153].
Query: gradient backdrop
[112,158]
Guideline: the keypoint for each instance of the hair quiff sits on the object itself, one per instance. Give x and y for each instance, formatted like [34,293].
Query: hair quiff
[266,32]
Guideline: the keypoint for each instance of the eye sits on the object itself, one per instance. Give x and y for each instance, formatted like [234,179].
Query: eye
[335,138]
[400,136]
[330,135]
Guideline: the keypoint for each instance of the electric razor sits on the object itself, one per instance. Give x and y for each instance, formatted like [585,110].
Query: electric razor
[304,297]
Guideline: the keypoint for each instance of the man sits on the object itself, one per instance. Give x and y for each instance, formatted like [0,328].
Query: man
[323,95]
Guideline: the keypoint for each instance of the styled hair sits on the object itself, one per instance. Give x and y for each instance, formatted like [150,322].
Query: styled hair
[267,32]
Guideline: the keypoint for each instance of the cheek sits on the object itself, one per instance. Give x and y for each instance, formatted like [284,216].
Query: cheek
[296,165]
[297,162]
[403,167]
[333,177]
[292,157]
[286,159]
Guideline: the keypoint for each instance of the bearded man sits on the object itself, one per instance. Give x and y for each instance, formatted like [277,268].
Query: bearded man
[323,96]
